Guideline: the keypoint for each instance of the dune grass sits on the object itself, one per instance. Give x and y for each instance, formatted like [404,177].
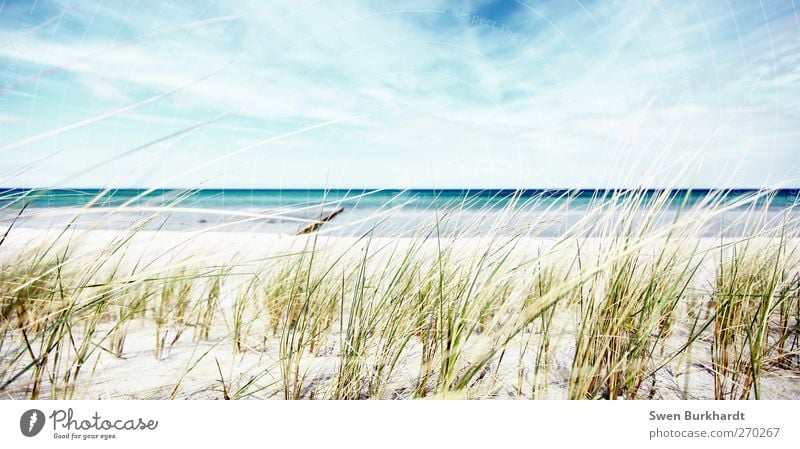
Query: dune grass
[630,302]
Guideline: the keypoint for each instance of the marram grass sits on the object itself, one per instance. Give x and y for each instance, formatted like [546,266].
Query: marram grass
[632,302]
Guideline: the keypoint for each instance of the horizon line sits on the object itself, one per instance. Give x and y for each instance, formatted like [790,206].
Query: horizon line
[417,189]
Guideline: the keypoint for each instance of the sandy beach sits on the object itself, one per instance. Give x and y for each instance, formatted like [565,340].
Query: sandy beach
[222,338]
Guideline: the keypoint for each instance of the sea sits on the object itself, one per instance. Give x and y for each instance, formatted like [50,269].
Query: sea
[380,212]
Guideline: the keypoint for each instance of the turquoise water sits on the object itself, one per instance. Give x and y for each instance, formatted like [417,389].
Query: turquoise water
[273,198]
[384,212]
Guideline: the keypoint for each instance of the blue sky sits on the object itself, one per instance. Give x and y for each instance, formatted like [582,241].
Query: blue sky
[557,94]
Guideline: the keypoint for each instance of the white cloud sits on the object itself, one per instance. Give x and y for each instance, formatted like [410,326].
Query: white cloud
[8,118]
[557,99]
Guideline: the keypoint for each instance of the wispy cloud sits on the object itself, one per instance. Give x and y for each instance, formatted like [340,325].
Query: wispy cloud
[476,93]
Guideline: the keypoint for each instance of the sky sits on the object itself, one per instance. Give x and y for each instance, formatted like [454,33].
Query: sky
[409,94]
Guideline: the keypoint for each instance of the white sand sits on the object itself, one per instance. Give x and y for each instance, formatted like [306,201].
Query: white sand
[194,365]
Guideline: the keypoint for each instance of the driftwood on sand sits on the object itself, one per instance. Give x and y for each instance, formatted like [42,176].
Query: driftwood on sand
[318,224]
